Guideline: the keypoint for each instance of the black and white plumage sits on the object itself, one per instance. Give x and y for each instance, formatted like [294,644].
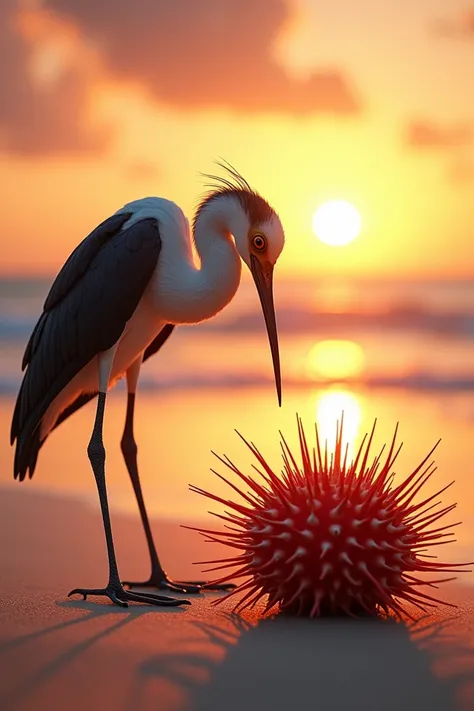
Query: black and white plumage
[101,283]
[116,301]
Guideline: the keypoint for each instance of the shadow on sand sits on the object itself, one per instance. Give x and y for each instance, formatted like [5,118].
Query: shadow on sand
[30,683]
[279,664]
[271,664]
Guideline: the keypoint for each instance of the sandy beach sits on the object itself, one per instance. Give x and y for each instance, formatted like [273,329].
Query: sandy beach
[60,654]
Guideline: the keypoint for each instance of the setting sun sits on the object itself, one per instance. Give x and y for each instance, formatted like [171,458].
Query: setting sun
[336,223]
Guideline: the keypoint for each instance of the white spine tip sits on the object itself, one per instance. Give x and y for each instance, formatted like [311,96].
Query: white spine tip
[345,558]
[351,541]
[347,574]
[395,529]
[326,569]
[299,553]
[370,543]
[325,547]
[336,510]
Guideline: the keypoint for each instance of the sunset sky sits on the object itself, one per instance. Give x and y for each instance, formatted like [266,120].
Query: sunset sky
[369,101]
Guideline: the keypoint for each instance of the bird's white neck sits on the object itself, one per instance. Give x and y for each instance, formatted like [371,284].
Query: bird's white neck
[190,293]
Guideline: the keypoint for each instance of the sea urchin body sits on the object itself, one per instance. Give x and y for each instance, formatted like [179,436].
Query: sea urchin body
[326,536]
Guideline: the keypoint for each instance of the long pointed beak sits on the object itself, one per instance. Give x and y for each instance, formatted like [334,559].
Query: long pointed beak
[263,276]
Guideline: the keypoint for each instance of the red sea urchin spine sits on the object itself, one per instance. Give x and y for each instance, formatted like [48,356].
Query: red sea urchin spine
[325,536]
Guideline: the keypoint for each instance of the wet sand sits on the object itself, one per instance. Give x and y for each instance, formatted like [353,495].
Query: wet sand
[60,654]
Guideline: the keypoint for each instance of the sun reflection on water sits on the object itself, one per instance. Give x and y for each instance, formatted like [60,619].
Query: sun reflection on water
[335,359]
[330,406]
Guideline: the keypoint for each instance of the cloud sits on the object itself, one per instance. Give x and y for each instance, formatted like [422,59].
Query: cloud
[461,27]
[461,172]
[454,141]
[139,170]
[204,54]
[431,135]
[39,117]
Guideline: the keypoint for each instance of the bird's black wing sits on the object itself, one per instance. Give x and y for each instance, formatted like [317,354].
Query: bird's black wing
[73,269]
[159,341]
[88,306]
[83,399]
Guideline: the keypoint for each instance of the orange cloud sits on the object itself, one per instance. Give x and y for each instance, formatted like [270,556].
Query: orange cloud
[462,172]
[206,54]
[461,27]
[38,116]
[142,170]
[431,135]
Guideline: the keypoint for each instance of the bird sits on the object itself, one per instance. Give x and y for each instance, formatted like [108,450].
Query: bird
[114,303]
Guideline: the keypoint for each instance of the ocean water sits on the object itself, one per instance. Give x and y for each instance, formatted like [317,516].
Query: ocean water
[409,335]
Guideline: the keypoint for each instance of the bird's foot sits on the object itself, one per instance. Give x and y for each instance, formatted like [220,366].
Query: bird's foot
[160,581]
[122,597]
[219,587]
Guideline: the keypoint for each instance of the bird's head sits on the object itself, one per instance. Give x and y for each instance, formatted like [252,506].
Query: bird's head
[259,239]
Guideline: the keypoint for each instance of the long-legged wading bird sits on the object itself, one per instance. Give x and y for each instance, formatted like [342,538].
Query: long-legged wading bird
[114,303]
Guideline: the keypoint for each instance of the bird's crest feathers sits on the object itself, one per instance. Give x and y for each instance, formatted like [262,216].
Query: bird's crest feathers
[234,185]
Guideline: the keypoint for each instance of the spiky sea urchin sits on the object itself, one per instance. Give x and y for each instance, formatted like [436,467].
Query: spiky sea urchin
[326,536]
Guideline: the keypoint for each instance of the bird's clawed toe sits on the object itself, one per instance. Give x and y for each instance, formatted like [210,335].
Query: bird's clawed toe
[109,592]
[161,582]
[178,586]
[155,599]
[211,587]
[122,597]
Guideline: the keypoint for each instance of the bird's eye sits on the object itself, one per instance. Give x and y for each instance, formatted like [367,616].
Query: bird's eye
[259,243]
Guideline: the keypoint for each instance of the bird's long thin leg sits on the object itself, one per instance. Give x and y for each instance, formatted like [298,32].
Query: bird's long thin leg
[158,577]
[96,451]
